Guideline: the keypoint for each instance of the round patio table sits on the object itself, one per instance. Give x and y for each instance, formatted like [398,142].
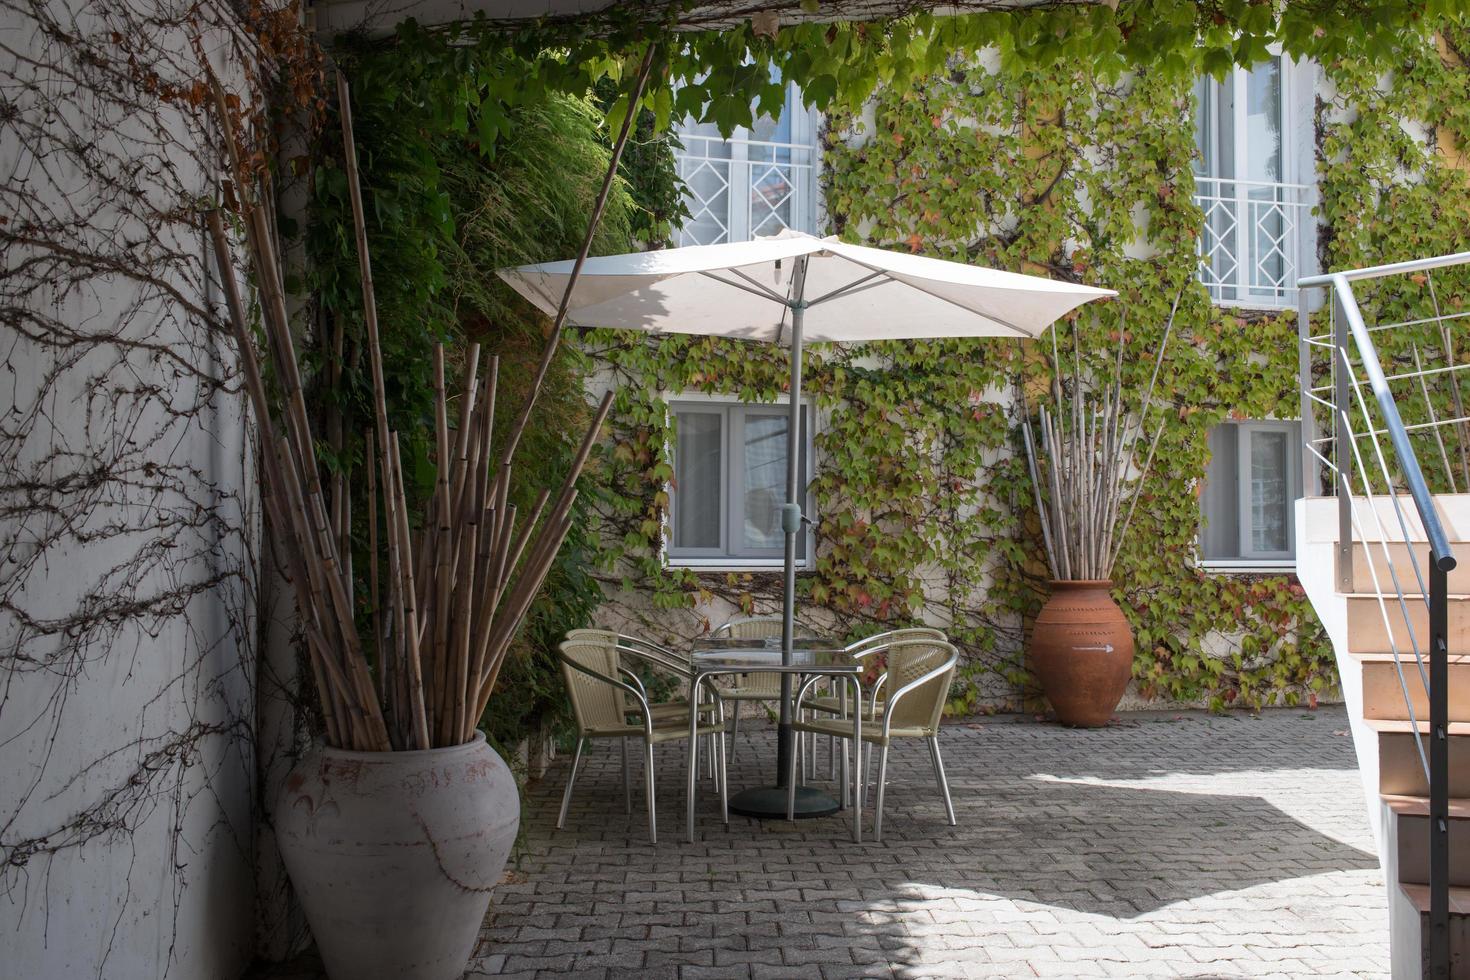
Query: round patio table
[724,656]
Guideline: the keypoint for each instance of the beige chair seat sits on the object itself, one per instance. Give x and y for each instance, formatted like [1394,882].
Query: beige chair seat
[677,710]
[833,706]
[664,730]
[843,729]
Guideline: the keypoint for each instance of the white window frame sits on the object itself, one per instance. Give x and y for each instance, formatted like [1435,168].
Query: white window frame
[1249,560]
[1295,192]
[723,558]
[742,173]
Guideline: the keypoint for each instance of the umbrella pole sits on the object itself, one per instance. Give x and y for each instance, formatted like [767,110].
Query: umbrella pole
[791,518]
[769,802]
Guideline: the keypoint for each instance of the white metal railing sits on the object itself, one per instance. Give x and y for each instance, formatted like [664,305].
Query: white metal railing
[740,189]
[1373,459]
[1251,246]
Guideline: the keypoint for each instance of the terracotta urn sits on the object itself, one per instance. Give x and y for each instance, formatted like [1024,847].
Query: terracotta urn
[394,854]
[1082,650]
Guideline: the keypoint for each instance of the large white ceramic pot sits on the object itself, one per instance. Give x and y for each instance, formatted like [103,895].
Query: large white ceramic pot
[394,854]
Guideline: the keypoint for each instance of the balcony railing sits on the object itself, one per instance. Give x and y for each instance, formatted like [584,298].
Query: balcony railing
[1251,248]
[740,189]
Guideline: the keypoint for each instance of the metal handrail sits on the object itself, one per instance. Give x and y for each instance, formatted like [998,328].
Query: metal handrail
[1350,325]
[1439,543]
[1391,269]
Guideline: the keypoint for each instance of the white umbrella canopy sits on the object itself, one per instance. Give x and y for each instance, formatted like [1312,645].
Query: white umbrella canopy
[853,293]
[792,288]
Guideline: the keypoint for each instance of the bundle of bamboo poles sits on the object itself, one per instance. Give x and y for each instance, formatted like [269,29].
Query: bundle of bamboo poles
[1086,474]
[452,593]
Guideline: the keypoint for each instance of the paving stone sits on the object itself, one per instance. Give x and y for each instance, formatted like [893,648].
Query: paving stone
[1210,846]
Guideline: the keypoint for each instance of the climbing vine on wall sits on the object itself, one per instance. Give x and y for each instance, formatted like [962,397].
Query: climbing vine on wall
[923,505]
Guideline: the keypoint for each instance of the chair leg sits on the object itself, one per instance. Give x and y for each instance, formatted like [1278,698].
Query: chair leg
[878,803]
[566,797]
[721,777]
[627,779]
[847,799]
[943,780]
[735,731]
[648,781]
[867,771]
[791,786]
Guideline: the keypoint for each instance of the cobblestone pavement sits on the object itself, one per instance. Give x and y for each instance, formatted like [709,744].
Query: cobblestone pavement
[1163,846]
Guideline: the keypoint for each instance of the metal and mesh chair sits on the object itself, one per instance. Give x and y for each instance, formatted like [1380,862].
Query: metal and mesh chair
[917,680]
[761,687]
[608,701]
[868,648]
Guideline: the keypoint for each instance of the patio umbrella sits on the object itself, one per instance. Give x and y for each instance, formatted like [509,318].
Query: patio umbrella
[795,288]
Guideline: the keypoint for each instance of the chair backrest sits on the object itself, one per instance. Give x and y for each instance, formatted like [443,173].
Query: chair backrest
[597,636]
[924,705]
[751,628]
[872,644]
[596,704]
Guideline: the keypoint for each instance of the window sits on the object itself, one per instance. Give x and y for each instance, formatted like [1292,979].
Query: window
[1251,486]
[1249,131]
[759,181]
[730,482]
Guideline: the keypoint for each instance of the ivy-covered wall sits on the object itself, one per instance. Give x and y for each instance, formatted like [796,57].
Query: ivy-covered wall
[923,507]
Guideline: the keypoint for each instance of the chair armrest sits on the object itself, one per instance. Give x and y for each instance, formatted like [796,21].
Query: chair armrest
[661,659]
[633,679]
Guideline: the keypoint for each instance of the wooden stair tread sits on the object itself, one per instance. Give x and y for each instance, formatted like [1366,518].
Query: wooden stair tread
[1391,726]
[1418,896]
[1418,806]
[1392,598]
[1407,657]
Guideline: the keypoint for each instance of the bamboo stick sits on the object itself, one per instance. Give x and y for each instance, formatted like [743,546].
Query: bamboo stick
[414,671]
[634,97]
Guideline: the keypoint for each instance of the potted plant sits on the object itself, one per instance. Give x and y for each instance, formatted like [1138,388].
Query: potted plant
[1087,471]
[397,826]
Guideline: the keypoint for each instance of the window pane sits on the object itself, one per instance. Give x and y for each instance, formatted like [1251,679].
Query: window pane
[697,480]
[765,480]
[1270,492]
[1219,499]
[1263,121]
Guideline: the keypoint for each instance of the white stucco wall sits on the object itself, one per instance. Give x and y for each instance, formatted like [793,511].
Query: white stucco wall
[128,518]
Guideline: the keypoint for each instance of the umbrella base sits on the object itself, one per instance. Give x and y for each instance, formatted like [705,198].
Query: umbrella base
[769,803]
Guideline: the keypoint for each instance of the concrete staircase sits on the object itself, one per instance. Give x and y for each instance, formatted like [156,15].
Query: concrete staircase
[1375,688]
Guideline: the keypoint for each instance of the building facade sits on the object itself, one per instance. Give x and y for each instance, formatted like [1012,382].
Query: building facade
[1222,192]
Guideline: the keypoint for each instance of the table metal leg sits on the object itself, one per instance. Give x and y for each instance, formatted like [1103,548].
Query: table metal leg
[693,781]
[724,776]
[857,740]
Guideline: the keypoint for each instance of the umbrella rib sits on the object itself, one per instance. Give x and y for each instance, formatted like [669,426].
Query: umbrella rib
[945,299]
[866,282]
[754,287]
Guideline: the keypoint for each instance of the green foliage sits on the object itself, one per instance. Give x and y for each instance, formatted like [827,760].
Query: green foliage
[450,198]
[923,502]
[724,75]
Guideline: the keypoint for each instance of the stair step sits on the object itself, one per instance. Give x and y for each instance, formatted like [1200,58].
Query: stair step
[1400,772]
[1399,555]
[1418,896]
[1412,833]
[1368,632]
[1383,697]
